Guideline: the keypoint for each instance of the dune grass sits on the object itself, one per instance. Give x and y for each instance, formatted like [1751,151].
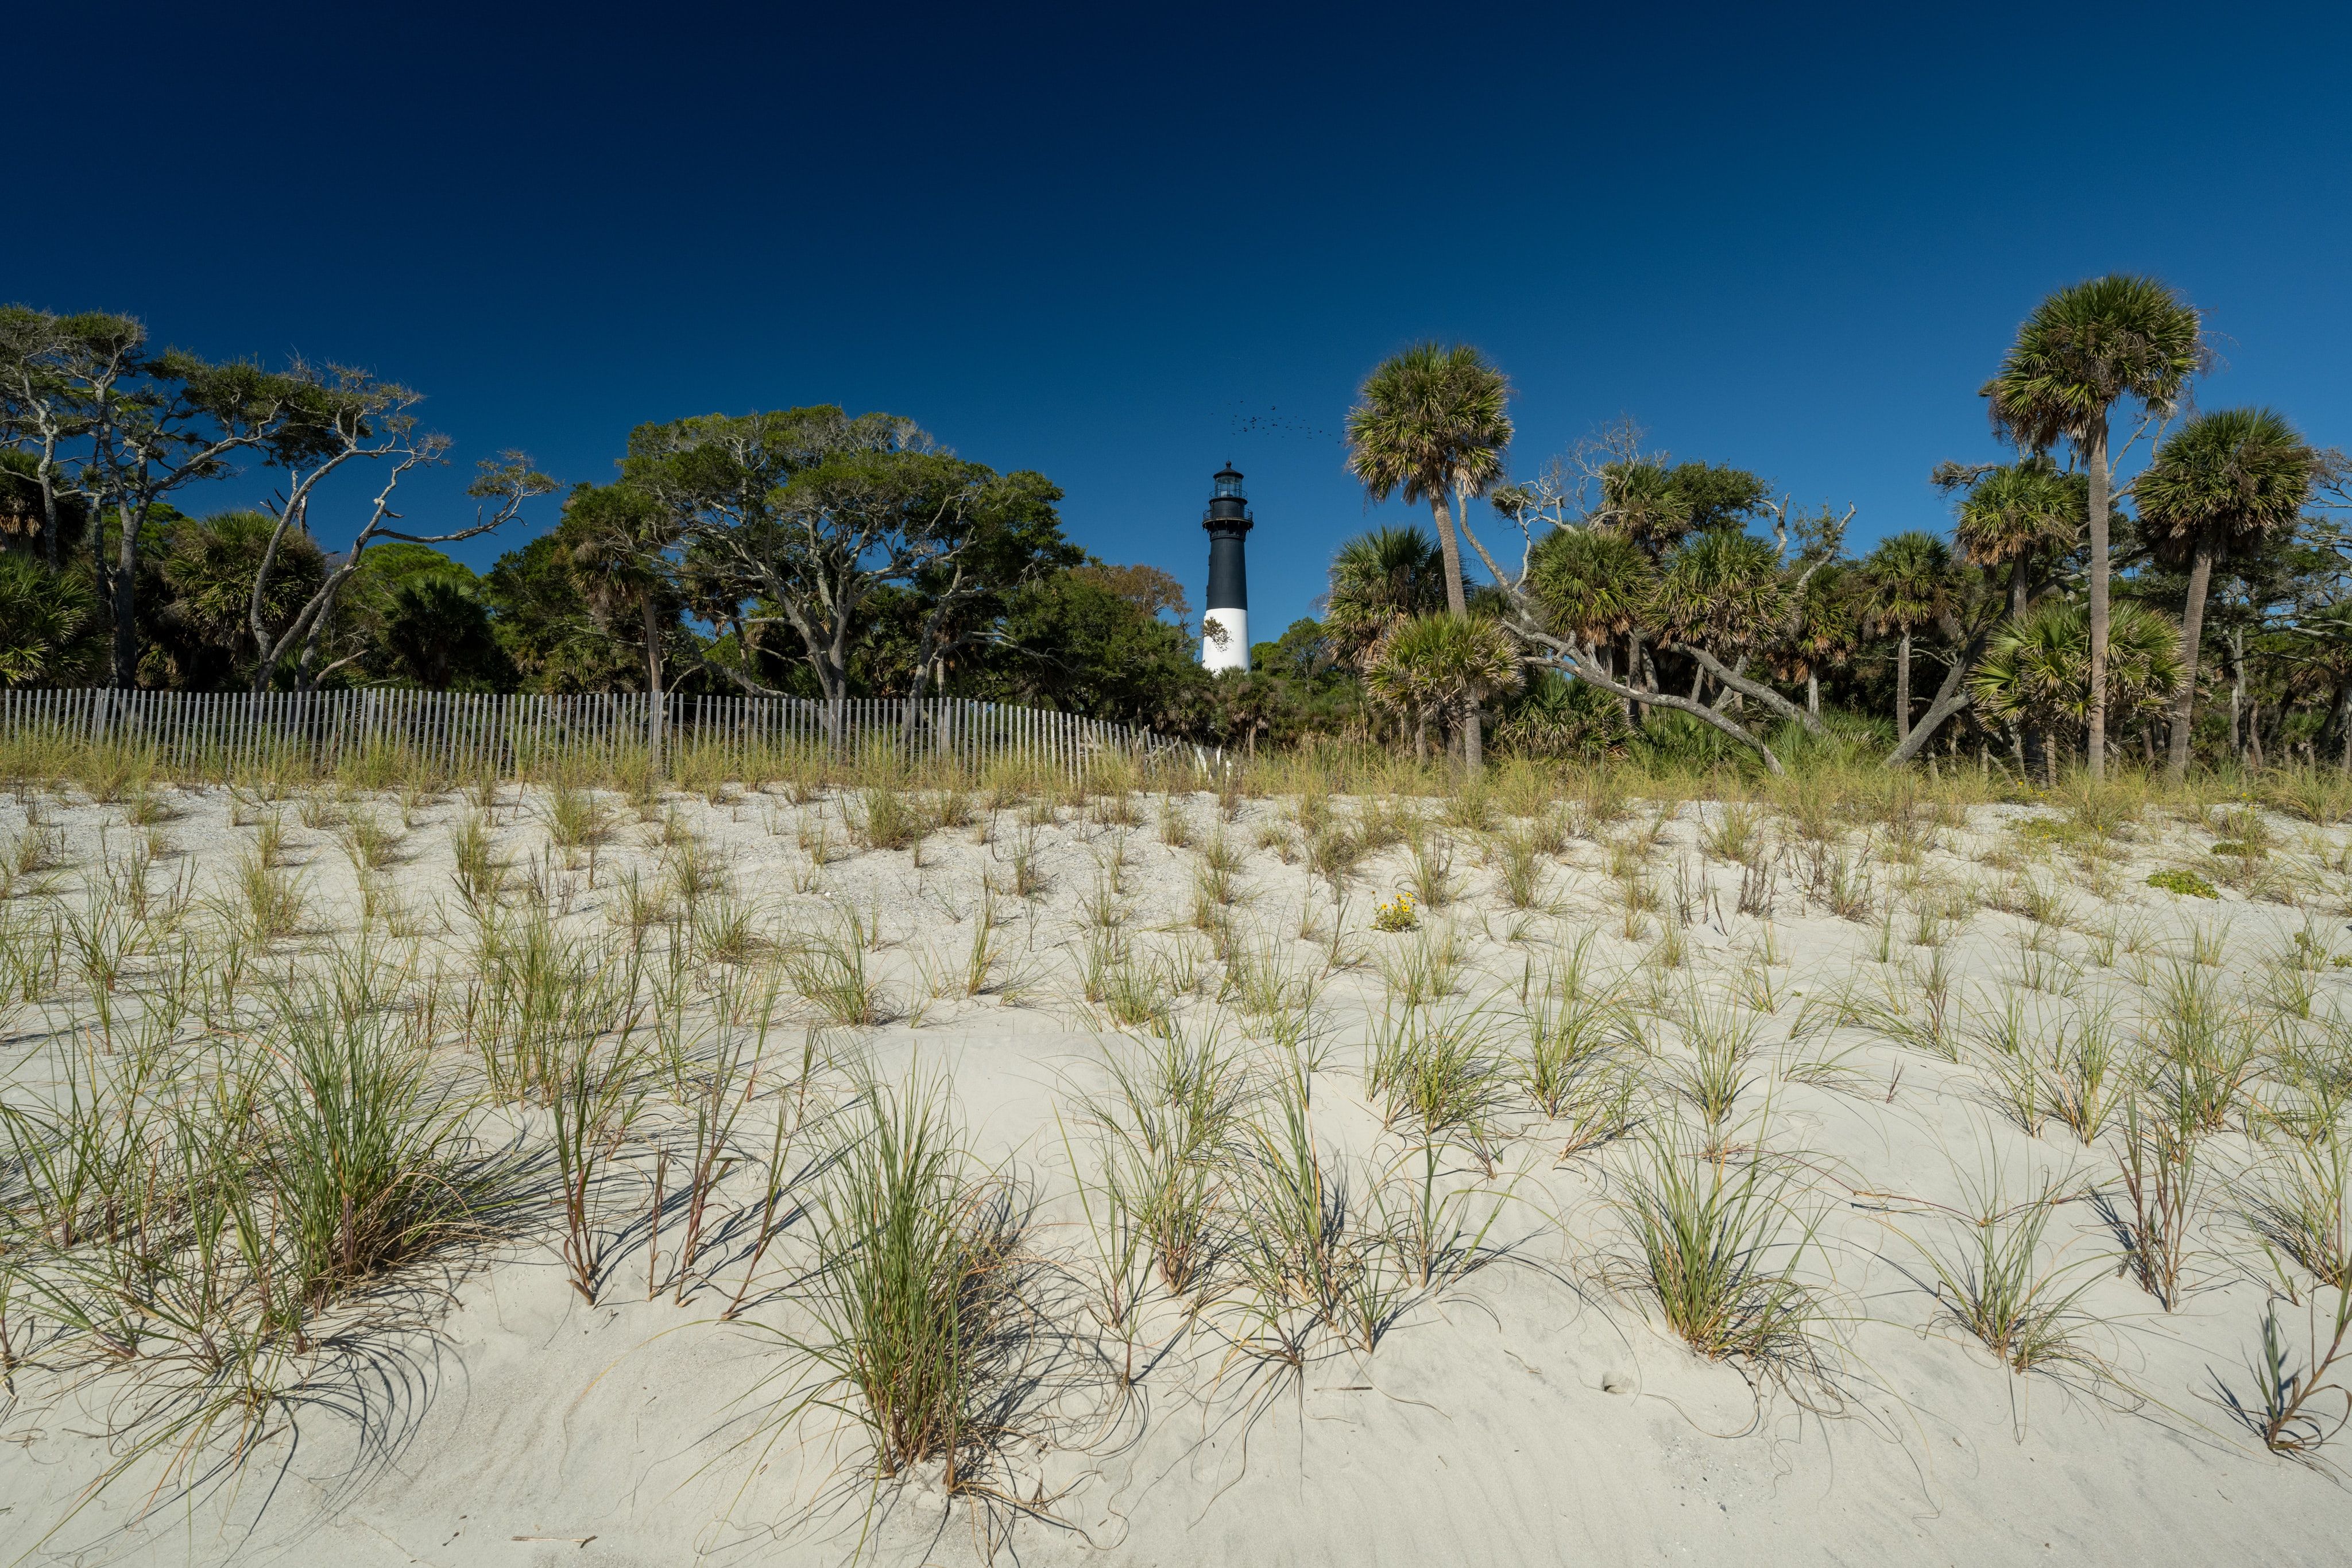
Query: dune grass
[294,1137]
[915,1293]
[1718,1249]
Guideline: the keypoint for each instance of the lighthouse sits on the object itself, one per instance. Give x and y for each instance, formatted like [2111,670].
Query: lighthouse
[1225,624]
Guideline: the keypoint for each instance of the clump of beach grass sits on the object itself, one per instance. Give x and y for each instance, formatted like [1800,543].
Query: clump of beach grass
[1717,1244]
[915,1295]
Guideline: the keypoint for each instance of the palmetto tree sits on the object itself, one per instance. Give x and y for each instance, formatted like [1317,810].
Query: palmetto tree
[2036,672]
[50,634]
[1594,584]
[2223,482]
[1443,665]
[1723,592]
[2016,513]
[435,627]
[2083,349]
[1432,423]
[210,572]
[618,536]
[1908,584]
[1379,579]
[1640,501]
[1827,630]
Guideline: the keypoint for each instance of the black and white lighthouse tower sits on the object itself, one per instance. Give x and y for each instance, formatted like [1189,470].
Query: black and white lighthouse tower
[1224,623]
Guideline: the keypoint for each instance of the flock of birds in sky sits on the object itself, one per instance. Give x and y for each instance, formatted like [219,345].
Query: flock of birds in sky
[1274,421]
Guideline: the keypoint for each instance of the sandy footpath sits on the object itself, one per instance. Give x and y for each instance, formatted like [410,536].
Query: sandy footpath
[1528,1406]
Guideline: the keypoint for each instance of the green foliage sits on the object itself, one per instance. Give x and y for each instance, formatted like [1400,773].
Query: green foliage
[2036,671]
[1593,582]
[51,633]
[1441,666]
[2017,512]
[437,632]
[1379,579]
[546,628]
[2086,348]
[2227,479]
[1072,642]
[1558,717]
[914,1294]
[22,514]
[2187,884]
[210,572]
[1908,583]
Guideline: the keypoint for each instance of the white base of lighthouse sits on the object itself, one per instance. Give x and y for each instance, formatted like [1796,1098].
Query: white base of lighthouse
[1233,651]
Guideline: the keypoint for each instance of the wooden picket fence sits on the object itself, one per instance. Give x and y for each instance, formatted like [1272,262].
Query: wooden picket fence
[470,734]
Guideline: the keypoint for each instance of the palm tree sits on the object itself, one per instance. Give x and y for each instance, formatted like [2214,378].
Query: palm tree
[2036,672]
[1431,423]
[618,536]
[435,627]
[1640,500]
[2014,514]
[1444,666]
[1377,579]
[2223,483]
[1723,592]
[210,571]
[1593,583]
[1828,631]
[50,630]
[2083,349]
[1908,584]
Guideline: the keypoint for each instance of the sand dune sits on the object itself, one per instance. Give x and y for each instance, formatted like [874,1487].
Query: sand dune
[1495,1380]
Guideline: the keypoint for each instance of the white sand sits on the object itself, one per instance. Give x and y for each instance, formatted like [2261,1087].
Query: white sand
[1535,1411]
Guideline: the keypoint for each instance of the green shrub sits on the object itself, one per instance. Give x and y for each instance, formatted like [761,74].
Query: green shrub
[2187,884]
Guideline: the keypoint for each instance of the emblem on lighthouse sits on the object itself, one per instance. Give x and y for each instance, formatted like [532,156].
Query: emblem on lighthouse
[1225,624]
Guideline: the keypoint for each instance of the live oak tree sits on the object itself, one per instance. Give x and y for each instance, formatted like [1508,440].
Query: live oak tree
[120,426]
[338,417]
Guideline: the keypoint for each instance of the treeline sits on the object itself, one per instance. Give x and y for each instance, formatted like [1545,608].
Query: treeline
[2092,596]
[2141,578]
[802,552]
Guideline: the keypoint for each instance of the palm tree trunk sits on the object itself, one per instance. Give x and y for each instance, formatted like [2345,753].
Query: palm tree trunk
[2238,697]
[2193,632]
[2017,585]
[654,705]
[1474,742]
[1451,549]
[1903,688]
[2096,738]
[1604,650]
[1813,693]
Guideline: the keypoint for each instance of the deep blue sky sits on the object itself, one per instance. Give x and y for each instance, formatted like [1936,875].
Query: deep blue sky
[1097,243]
